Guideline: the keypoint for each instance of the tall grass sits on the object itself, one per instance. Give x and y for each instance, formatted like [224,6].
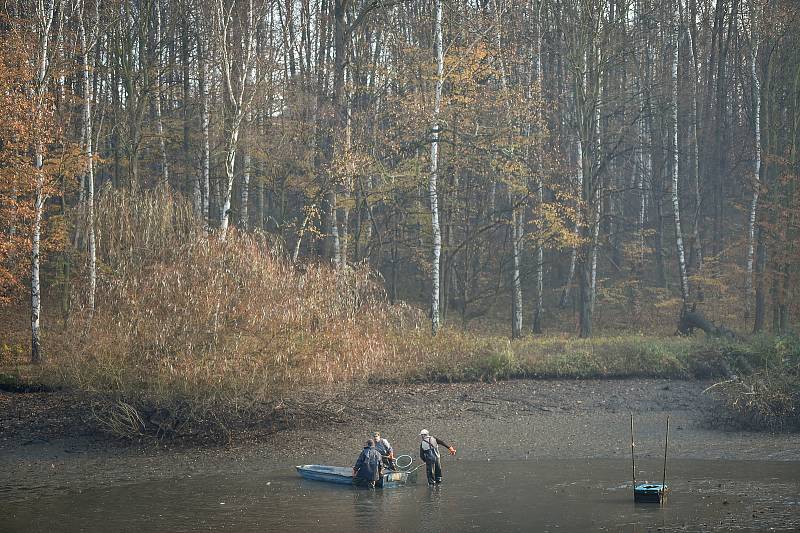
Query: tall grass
[188,320]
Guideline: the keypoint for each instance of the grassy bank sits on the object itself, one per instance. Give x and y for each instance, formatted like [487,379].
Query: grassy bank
[195,395]
[190,392]
[459,356]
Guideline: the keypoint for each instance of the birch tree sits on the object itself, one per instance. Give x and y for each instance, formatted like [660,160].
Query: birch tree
[675,155]
[755,87]
[45,14]
[536,79]
[88,41]
[434,169]
[235,23]
[204,181]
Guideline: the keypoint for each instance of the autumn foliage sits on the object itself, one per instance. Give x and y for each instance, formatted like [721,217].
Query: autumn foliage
[16,165]
[24,123]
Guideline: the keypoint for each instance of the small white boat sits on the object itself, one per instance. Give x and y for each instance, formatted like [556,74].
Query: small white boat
[343,475]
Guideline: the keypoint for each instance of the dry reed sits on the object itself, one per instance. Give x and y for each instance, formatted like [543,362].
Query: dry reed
[202,324]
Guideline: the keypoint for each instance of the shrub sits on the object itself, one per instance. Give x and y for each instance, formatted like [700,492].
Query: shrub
[765,394]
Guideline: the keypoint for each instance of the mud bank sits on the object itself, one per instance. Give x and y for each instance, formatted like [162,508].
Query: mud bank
[49,438]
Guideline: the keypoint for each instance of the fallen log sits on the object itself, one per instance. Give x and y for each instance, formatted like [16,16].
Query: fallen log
[692,319]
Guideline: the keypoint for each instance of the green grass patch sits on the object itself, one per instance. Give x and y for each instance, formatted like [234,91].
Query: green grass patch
[458,356]
[23,378]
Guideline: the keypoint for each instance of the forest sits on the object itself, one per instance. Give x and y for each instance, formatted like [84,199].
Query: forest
[207,203]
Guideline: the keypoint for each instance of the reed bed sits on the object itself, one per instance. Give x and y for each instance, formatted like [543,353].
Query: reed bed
[191,322]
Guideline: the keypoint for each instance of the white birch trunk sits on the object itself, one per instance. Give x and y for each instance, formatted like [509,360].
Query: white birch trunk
[675,161]
[756,178]
[247,163]
[244,213]
[205,126]
[230,169]
[36,302]
[89,155]
[695,147]
[434,173]
[643,174]
[45,11]
[159,122]
[597,200]
[237,56]
[517,234]
[539,308]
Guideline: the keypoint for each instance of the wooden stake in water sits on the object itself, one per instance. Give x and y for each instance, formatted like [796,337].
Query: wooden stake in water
[633,459]
[666,444]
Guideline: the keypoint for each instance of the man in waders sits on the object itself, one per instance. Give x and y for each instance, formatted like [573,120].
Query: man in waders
[385,449]
[429,453]
[369,466]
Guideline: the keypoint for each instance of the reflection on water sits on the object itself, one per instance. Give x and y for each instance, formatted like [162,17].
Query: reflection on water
[543,495]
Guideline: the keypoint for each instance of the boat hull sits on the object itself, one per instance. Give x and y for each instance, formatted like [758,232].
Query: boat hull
[342,475]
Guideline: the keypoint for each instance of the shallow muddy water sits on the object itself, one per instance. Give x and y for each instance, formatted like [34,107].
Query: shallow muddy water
[532,495]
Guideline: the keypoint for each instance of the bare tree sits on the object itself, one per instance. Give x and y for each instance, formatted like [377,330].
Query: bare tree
[235,24]
[88,41]
[756,175]
[434,170]
[45,14]
[675,37]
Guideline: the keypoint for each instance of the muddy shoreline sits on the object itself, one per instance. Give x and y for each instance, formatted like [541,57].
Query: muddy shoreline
[45,439]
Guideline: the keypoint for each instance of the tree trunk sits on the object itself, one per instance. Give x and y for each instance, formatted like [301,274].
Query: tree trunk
[696,249]
[205,128]
[538,311]
[760,292]
[516,247]
[434,171]
[45,13]
[232,142]
[756,176]
[157,97]
[244,212]
[237,54]
[675,162]
[88,153]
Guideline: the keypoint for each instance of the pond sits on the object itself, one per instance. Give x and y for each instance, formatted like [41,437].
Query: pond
[531,495]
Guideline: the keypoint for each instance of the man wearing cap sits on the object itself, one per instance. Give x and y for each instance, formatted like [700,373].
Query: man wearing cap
[385,449]
[369,466]
[429,453]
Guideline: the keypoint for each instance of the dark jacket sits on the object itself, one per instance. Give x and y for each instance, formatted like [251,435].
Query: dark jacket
[368,465]
[434,442]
